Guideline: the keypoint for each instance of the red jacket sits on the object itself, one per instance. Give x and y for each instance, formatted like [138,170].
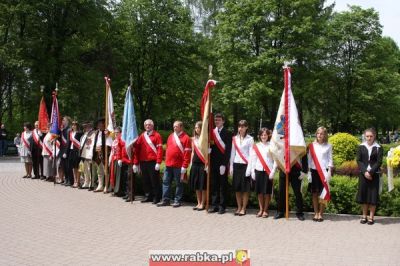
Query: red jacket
[143,151]
[174,156]
[119,151]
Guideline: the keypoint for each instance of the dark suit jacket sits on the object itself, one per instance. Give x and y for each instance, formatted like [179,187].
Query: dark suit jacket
[217,158]
[375,160]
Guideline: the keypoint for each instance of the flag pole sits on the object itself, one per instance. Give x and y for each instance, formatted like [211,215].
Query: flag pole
[210,67]
[287,140]
[130,170]
[287,196]
[55,146]
[105,137]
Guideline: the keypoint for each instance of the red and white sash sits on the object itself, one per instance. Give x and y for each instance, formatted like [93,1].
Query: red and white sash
[48,149]
[261,158]
[36,138]
[197,150]
[25,141]
[150,143]
[75,142]
[218,141]
[63,140]
[325,194]
[239,151]
[178,142]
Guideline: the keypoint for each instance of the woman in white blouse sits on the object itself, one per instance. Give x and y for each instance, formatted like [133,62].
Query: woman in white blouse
[240,155]
[263,170]
[323,152]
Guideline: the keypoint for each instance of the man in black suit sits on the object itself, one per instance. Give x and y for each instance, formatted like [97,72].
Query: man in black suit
[37,158]
[64,169]
[221,145]
[297,173]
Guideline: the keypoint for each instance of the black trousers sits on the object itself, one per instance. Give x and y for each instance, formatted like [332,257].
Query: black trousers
[151,179]
[219,184]
[37,161]
[296,186]
[69,176]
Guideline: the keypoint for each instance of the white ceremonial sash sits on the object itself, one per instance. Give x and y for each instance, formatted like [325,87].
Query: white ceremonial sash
[178,142]
[150,143]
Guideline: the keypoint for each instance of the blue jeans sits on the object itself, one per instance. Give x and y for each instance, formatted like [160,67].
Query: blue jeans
[170,174]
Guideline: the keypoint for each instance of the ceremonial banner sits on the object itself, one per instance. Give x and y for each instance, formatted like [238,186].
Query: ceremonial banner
[43,116]
[287,142]
[55,117]
[201,146]
[110,108]
[129,128]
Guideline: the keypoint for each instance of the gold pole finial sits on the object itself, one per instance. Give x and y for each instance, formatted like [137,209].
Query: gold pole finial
[42,88]
[210,68]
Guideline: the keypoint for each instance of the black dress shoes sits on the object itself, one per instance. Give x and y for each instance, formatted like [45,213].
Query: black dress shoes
[301,217]
[213,210]
[146,200]
[279,215]
[221,211]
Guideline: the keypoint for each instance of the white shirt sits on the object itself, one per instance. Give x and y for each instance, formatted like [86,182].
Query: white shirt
[324,155]
[266,155]
[73,136]
[245,145]
[369,148]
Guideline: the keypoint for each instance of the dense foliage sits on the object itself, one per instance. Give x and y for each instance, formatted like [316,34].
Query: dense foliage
[345,73]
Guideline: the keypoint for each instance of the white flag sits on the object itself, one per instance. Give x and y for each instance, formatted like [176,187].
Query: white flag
[287,142]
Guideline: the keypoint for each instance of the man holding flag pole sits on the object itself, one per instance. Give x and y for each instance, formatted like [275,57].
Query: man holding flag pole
[55,129]
[288,148]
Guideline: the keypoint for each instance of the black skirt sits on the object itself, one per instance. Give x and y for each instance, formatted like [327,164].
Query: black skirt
[263,183]
[316,185]
[74,159]
[368,190]
[241,182]
[198,176]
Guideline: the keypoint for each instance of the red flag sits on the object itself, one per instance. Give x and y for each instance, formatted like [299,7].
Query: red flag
[43,116]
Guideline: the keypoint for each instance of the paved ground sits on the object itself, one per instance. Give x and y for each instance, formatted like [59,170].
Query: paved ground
[43,224]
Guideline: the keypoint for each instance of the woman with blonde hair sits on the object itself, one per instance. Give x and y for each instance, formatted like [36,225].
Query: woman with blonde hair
[198,175]
[321,165]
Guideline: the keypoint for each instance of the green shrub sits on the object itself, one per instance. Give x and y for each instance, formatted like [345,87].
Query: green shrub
[349,168]
[344,147]
[343,195]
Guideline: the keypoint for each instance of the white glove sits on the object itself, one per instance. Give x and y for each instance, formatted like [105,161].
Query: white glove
[302,175]
[309,177]
[253,175]
[119,163]
[64,155]
[271,175]
[157,167]
[135,168]
[183,170]
[328,176]
[206,169]
[222,169]
[209,150]
[231,171]
[248,172]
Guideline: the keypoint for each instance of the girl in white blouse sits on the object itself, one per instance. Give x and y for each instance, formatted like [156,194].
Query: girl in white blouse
[323,152]
[263,170]
[240,155]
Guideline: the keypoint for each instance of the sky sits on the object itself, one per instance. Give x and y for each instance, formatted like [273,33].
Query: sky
[389,13]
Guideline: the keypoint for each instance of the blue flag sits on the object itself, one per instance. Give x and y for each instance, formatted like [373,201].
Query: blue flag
[129,128]
[55,117]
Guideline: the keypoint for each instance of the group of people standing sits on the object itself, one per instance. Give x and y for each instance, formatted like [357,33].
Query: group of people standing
[251,165]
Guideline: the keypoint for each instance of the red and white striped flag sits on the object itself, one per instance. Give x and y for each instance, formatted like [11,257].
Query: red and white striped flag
[110,108]
[201,146]
[287,142]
